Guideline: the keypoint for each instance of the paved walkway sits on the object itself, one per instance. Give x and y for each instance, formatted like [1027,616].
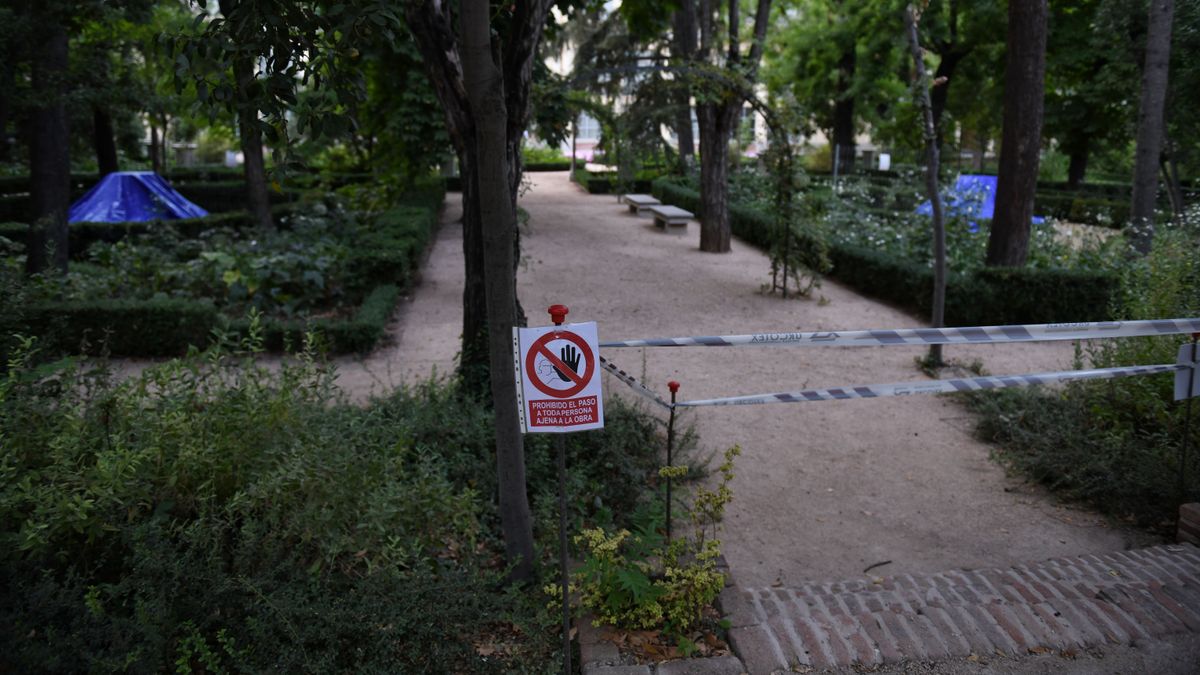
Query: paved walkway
[1062,606]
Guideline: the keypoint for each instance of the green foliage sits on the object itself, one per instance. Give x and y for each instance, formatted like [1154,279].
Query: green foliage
[637,581]
[874,260]
[214,515]
[1114,444]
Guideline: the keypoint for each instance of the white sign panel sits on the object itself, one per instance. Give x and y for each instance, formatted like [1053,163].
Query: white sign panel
[558,378]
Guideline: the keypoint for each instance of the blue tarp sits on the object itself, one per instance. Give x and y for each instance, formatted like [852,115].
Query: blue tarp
[972,197]
[132,196]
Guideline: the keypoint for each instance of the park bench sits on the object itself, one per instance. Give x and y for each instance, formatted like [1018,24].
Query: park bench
[640,203]
[667,217]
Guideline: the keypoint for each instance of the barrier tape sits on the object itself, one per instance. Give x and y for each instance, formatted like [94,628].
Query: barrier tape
[938,386]
[933,336]
[632,382]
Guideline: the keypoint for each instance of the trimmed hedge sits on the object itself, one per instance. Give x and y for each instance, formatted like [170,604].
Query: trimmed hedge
[606,183]
[385,261]
[83,235]
[991,296]
[563,165]
[156,327]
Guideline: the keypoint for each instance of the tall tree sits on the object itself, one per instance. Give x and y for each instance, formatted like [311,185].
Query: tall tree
[518,30]
[719,112]
[49,143]
[683,48]
[1151,122]
[1024,75]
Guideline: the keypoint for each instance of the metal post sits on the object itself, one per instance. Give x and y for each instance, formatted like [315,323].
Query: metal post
[561,442]
[1187,435]
[557,314]
[674,387]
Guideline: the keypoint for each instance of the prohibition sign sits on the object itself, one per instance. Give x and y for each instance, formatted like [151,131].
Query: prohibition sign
[539,347]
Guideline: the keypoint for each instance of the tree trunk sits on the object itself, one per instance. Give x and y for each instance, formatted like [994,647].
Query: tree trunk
[1077,168]
[714,178]
[103,142]
[1025,69]
[940,92]
[1151,122]
[932,150]
[155,156]
[684,47]
[843,113]
[485,86]
[473,362]
[49,158]
[258,200]
[6,88]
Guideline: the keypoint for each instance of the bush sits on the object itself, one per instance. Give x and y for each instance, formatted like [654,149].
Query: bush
[209,515]
[1114,444]
[980,297]
[154,327]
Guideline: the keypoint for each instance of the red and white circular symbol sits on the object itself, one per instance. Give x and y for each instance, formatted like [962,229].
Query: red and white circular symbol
[558,374]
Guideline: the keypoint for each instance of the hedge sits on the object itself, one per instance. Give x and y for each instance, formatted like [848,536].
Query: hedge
[83,235]
[561,165]
[156,327]
[606,183]
[384,261]
[991,296]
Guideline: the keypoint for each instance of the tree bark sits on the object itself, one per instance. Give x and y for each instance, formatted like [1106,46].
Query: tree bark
[485,86]
[103,142]
[6,87]
[1077,167]
[1025,66]
[684,47]
[843,113]
[155,156]
[932,150]
[941,92]
[258,200]
[1151,123]
[49,158]
[717,119]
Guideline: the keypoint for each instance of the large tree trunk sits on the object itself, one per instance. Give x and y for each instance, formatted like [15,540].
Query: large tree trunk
[1151,122]
[1077,167]
[473,363]
[714,177]
[1025,68]
[49,158]
[6,88]
[941,92]
[258,200]
[155,155]
[684,47]
[844,143]
[485,87]
[103,142]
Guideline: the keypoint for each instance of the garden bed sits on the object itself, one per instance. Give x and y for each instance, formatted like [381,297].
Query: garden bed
[974,296]
[159,288]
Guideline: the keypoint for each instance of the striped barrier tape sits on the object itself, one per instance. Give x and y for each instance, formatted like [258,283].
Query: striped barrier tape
[932,336]
[632,382]
[939,386]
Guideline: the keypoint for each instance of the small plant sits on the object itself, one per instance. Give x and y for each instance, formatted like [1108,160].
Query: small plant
[635,580]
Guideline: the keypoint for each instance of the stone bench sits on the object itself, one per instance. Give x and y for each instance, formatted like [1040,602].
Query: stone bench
[667,217]
[640,203]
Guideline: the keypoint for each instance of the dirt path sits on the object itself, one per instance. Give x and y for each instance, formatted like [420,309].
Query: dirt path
[823,490]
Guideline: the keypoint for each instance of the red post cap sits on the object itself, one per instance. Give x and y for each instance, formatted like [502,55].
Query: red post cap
[558,313]
[673,386]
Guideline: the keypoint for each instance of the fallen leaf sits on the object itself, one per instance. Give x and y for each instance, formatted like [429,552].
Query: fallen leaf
[973,658]
[1039,650]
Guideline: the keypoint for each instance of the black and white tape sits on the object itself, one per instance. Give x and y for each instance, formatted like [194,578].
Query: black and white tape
[930,336]
[937,386]
[632,382]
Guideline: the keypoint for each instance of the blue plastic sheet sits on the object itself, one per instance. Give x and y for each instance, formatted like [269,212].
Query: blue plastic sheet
[973,197]
[132,196]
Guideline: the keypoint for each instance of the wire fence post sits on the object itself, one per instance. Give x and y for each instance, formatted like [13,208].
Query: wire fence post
[674,387]
[558,313]
[1182,488]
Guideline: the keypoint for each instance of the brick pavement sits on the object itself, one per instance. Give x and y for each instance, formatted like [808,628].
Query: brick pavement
[1060,605]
